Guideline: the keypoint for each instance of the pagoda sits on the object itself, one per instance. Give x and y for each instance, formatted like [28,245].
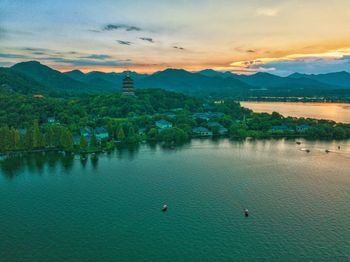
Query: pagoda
[128,86]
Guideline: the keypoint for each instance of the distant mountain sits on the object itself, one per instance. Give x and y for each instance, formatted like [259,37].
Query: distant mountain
[193,83]
[30,77]
[76,75]
[337,79]
[11,80]
[103,79]
[264,80]
[55,81]
[211,73]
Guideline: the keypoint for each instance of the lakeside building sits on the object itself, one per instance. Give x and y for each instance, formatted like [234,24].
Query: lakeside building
[85,132]
[302,128]
[221,129]
[161,124]
[207,115]
[281,128]
[51,120]
[101,133]
[128,86]
[201,131]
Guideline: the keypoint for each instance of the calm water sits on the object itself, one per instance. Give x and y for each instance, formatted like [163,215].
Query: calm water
[330,111]
[56,208]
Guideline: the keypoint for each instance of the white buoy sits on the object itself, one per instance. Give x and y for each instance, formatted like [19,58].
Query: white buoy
[165,208]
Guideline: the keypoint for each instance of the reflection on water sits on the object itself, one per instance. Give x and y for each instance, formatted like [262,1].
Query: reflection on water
[66,208]
[51,161]
[37,163]
[331,111]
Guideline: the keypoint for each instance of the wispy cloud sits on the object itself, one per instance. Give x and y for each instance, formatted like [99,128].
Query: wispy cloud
[34,49]
[266,11]
[97,57]
[178,47]
[89,62]
[148,39]
[2,33]
[121,42]
[111,27]
[328,61]
[12,56]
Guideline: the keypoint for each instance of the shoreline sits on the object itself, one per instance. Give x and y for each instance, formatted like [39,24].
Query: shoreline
[162,144]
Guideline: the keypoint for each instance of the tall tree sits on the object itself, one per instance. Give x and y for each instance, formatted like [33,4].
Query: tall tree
[37,138]
[120,133]
[93,141]
[67,140]
[83,142]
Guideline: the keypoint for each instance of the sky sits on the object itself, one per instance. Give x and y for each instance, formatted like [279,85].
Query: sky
[279,37]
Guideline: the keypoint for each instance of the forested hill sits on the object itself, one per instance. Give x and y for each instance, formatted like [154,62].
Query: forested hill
[33,77]
[19,111]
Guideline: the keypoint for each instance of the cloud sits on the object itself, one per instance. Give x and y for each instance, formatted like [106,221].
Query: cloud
[178,47]
[148,39]
[124,42]
[89,62]
[2,33]
[111,27]
[97,57]
[330,61]
[33,49]
[266,12]
[12,56]
[38,53]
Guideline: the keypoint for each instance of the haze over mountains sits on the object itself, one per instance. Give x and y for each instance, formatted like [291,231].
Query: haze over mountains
[34,77]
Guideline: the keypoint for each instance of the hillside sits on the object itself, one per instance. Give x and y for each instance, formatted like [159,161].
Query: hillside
[55,81]
[11,80]
[337,79]
[32,77]
[194,83]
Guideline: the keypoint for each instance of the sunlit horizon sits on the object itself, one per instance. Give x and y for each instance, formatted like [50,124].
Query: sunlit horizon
[279,37]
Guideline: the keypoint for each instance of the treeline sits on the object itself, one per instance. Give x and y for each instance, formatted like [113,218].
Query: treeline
[20,111]
[129,120]
[55,136]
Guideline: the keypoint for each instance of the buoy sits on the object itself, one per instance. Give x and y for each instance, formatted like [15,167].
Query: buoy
[246,212]
[164,208]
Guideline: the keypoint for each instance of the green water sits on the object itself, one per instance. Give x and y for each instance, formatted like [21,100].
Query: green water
[56,208]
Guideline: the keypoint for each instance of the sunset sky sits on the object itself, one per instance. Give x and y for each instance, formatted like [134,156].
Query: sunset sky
[280,37]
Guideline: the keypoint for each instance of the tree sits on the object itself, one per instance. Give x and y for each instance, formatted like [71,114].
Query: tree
[49,137]
[83,143]
[120,133]
[67,140]
[173,135]
[152,135]
[37,138]
[132,137]
[93,141]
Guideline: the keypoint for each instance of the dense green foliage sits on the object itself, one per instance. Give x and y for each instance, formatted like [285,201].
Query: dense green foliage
[30,123]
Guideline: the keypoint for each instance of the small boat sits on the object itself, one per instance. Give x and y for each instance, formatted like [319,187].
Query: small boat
[327,151]
[298,143]
[164,208]
[246,212]
[307,150]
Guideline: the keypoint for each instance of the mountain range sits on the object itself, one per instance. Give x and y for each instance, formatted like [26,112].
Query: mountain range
[34,77]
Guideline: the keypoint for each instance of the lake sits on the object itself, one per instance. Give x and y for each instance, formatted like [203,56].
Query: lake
[60,208]
[339,112]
